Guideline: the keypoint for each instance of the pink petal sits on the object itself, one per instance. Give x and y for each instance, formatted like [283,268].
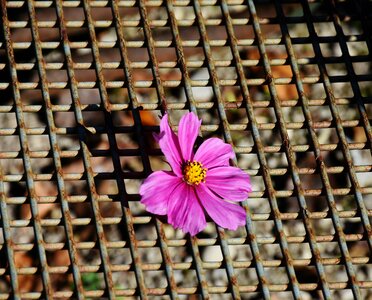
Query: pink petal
[214,153]
[227,215]
[184,210]
[229,182]
[169,145]
[156,190]
[188,130]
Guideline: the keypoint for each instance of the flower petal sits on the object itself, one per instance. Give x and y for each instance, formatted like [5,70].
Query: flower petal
[156,190]
[229,182]
[184,210]
[169,145]
[227,215]
[188,130]
[214,153]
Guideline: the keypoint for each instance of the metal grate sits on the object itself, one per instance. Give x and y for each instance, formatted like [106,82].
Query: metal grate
[287,83]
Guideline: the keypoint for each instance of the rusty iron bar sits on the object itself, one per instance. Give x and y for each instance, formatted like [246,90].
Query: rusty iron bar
[268,183]
[233,281]
[163,107]
[365,122]
[85,153]
[9,244]
[295,171]
[329,92]
[146,162]
[32,197]
[66,215]
[249,226]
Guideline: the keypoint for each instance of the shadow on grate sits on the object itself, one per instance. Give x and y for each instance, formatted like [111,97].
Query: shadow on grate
[82,86]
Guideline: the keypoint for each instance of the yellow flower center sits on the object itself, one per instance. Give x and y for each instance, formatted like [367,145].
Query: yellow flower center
[193,172]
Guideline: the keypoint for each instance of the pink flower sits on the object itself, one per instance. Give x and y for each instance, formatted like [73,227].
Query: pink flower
[198,183]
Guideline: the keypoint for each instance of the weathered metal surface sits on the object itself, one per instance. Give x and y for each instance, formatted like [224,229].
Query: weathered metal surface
[85,81]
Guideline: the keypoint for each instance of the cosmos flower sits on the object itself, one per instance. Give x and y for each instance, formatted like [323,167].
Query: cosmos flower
[199,183]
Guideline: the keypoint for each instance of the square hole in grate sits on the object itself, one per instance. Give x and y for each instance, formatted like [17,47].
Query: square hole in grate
[226,74]
[265,231]
[30,283]
[325,29]
[299,251]
[242,138]
[298,30]
[357,48]
[180,251]
[344,294]
[282,295]
[70,142]
[246,276]
[216,277]
[40,165]
[292,9]
[362,68]
[30,97]
[293,114]
[265,116]
[306,274]
[330,49]
[258,205]
[327,249]
[9,143]
[248,161]
[120,257]
[58,258]
[185,278]
[336,273]
[38,142]
[276,275]
[303,51]
[114,229]
[155,279]
[288,205]
[150,255]
[65,119]
[365,90]
[300,140]
[62,282]
[147,231]
[125,283]
[93,281]
[342,90]
[241,253]
[132,186]
[211,253]
[311,182]
[336,69]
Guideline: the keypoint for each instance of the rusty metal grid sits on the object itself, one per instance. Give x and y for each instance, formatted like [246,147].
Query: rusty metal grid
[287,83]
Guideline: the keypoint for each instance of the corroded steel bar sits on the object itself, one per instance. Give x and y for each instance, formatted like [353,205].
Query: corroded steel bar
[163,106]
[30,183]
[268,183]
[335,218]
[66,215]
[294,170]
[233,281]
[85,152]
[244,88]
[144,156]
[8,242]
[364,120]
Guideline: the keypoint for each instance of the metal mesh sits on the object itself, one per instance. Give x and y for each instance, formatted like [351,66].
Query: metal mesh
[287,83]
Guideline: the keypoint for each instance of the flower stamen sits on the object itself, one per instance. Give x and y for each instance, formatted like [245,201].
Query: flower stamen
[194,173]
